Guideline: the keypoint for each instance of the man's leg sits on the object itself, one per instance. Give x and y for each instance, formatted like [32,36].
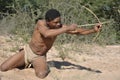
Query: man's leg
[14,61]
[41,67]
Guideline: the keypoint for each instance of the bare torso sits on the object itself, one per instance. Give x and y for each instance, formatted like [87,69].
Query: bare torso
[39,44]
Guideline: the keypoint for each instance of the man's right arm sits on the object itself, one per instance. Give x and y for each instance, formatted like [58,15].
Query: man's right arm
[46,32]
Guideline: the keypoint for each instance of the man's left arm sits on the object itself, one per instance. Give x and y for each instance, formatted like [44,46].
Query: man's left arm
[83,31]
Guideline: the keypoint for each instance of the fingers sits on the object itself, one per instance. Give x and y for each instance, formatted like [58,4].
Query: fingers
[73,26]
[99,25]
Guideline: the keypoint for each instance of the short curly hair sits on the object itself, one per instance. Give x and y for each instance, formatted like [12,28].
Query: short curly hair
[52,14]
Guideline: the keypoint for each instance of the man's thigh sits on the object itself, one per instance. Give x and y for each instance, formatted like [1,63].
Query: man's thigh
[14,61]
[40,65]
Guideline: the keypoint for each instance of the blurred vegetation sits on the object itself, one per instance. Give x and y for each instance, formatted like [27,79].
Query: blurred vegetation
[18,17]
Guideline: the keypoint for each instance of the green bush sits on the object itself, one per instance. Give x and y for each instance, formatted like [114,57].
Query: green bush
[72,12]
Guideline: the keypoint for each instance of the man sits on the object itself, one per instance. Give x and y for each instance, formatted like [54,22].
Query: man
[43,37]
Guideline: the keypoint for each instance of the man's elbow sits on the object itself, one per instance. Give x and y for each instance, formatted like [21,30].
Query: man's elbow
[47,35]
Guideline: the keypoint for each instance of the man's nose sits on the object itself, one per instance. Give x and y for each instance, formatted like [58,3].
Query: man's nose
[58,24]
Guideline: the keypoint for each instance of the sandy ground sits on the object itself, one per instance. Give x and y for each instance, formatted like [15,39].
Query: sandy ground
[102,64]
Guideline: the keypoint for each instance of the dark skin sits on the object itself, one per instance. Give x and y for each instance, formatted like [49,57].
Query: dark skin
[42,40]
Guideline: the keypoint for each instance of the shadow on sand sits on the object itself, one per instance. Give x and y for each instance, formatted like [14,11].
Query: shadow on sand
[68,65]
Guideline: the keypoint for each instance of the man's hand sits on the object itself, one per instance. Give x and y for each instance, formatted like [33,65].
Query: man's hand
[97,27]
[72,27]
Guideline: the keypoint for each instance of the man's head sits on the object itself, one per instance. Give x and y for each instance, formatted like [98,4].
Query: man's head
[53,19]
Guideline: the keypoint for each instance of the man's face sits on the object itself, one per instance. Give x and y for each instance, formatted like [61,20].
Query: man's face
[55,24]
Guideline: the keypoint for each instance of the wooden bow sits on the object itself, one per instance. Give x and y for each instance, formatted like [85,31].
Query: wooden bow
[97,20]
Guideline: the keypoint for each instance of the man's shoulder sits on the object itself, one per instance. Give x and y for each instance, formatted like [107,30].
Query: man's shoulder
[41,22]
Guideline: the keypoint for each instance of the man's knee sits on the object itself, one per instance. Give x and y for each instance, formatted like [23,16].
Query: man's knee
[3,68]
[42,74]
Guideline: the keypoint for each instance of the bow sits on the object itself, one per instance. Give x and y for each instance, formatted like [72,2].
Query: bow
[97,20]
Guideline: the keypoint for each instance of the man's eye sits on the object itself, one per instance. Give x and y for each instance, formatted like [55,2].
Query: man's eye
[56,22]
